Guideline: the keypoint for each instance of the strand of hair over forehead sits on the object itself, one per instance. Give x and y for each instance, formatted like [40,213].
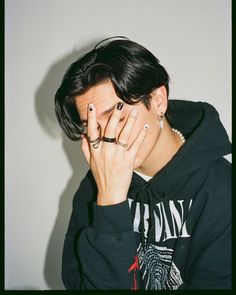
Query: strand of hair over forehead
[101,43]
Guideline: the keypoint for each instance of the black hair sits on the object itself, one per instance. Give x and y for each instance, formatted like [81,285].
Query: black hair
[133,70]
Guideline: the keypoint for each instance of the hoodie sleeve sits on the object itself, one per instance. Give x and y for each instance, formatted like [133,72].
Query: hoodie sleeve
[99,252]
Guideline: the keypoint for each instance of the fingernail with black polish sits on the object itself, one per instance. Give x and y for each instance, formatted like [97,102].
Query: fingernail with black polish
[119,105]
[90,107]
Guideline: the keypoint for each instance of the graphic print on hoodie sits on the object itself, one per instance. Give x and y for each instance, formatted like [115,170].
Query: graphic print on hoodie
[178,223]
[169,222]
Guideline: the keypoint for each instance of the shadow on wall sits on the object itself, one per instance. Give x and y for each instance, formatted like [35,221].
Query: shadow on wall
[44,105]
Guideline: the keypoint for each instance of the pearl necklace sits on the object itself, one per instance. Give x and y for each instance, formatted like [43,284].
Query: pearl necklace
[179,134]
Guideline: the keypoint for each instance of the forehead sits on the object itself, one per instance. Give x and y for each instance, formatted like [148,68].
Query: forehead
[103,96]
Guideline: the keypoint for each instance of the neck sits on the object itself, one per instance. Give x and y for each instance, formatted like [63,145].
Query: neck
[167,145]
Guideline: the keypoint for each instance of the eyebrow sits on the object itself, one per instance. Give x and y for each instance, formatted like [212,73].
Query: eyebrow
[108,111]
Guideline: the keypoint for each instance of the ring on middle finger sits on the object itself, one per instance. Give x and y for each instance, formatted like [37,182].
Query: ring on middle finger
[109,139]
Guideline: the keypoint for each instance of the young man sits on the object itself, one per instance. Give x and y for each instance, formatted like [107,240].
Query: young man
[154,210]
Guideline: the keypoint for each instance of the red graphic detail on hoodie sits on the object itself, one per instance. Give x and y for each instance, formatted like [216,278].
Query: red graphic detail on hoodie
[134,267]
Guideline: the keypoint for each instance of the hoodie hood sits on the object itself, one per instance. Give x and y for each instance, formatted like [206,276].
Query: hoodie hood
[206,141]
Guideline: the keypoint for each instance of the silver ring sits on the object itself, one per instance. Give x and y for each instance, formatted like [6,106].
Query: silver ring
[96,145]
[95,142]
[124,145]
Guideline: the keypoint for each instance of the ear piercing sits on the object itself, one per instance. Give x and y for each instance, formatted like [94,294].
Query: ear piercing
[161,121]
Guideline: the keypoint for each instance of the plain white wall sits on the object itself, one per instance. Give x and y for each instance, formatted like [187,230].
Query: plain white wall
[191,38]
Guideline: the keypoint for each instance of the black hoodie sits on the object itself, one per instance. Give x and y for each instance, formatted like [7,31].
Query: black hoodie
[173,231]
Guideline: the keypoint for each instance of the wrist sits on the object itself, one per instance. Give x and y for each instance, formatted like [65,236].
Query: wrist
[106,199]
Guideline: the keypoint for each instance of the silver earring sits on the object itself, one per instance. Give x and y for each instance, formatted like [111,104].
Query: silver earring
[161,121]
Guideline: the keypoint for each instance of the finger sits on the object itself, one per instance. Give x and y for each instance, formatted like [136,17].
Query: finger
[92,130]
[139,140]
[113,123]
[127,129]
[85,149]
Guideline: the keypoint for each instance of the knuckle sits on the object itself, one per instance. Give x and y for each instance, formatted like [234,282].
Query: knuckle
[109,130]
[115,117]
[126,132]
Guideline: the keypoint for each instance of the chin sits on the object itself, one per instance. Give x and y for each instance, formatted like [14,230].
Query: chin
[138,162]
[141,157]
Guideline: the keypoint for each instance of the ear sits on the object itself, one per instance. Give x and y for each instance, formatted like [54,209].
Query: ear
[159,100]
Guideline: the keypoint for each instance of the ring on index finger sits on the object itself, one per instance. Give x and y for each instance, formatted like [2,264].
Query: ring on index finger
[95,142]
